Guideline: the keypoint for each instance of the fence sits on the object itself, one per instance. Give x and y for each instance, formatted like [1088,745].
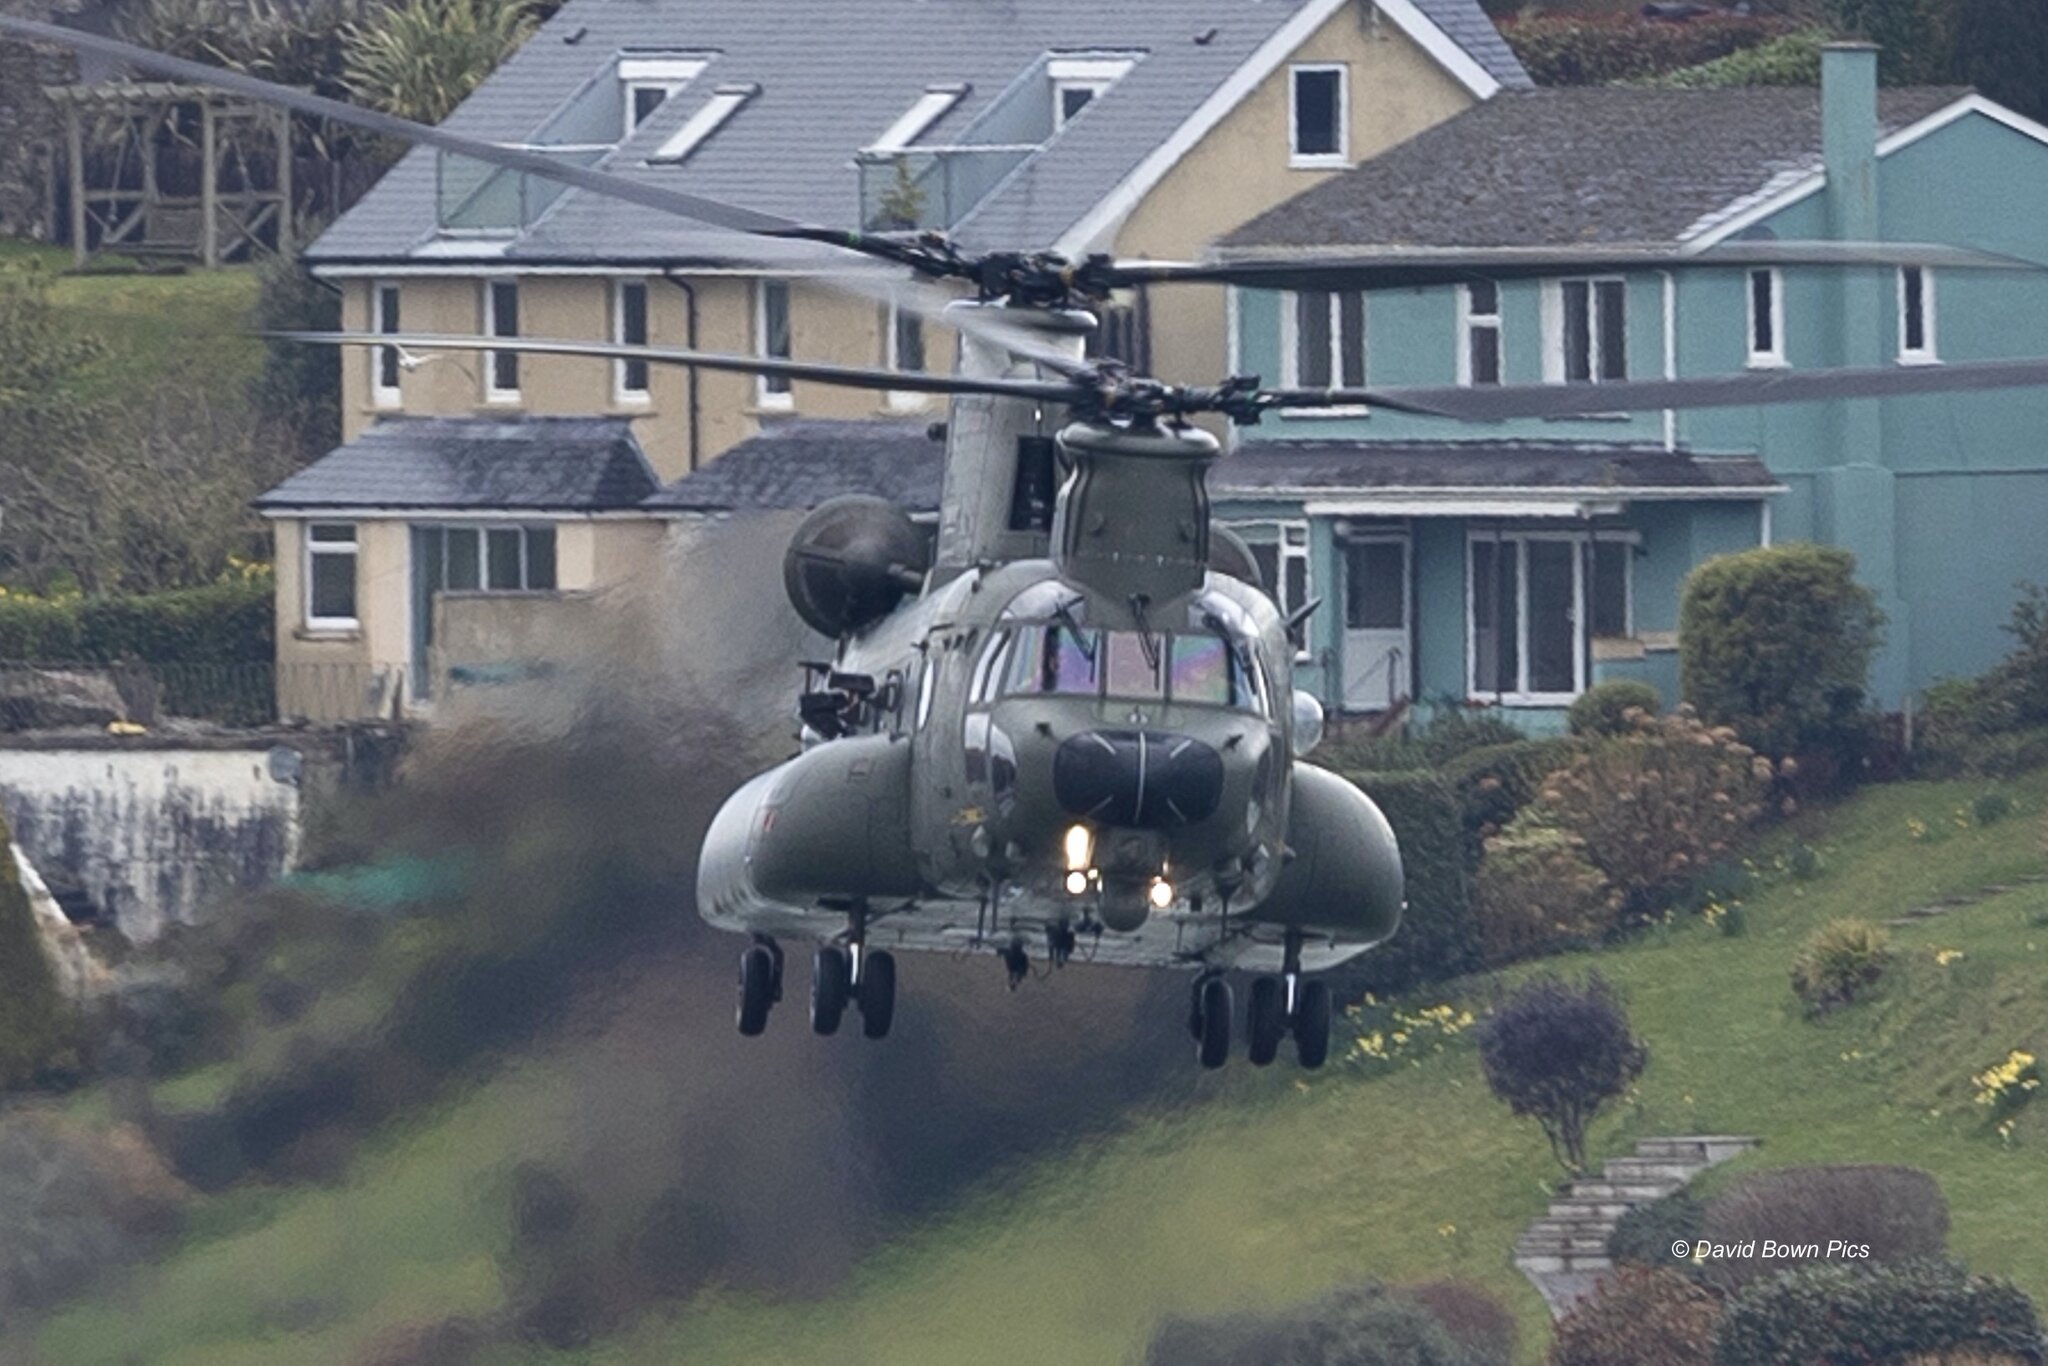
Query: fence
[43,696]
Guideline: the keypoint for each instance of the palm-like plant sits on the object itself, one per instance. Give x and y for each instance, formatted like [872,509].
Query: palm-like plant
[418,59]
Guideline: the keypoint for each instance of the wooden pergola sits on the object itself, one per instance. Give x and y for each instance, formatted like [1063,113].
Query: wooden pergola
[241,151]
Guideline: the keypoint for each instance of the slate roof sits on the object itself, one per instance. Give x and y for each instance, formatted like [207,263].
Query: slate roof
[833,76]
[800,463]
[554,464]
[1560,167]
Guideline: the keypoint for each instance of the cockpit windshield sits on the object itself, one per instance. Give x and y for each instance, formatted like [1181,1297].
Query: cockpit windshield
[1202,670]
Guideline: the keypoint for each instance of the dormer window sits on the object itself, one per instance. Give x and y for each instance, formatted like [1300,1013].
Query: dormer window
[1077,80]
[648,81]
[723,104]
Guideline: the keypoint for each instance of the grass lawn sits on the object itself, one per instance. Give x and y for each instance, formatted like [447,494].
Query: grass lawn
[153,324]
[1270,1187]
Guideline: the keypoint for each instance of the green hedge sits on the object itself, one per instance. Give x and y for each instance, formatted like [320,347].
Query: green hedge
[1837,1312]
[1437,938]
[224,623]
[1495,782]
[1602,50]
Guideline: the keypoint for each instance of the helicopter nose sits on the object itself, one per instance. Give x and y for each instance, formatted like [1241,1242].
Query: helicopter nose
[1138,779]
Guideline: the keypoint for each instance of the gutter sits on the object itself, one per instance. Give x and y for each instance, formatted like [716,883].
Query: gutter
[690,341]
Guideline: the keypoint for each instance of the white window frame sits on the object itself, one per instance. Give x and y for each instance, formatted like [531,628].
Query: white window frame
[1290,349]
[1319,161]
[621,393]
[493,393]
[382,395]
[766,398]
[1554,360]
[352,548]
[902,400]
[1093,72]
[934,104]
[1582,609]
[1772,357]
[698,128]
[668,74]
[1284,530]
[1930,352]
[1470,323]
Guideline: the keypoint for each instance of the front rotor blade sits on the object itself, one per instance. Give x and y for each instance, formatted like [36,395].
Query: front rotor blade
[1399,268]
[1750,389]
[845,376]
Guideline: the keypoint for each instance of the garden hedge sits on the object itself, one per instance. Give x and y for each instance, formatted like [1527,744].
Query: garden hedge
[224,623]
[1437,938]
[1838,1313]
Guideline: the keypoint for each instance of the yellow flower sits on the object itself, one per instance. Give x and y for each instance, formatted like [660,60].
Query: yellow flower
[1947,956]
[1446,1230]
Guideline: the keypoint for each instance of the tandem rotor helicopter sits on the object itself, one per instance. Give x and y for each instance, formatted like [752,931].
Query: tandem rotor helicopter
[1068,722]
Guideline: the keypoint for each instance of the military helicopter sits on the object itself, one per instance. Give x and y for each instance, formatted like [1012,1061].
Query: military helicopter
[1067,723]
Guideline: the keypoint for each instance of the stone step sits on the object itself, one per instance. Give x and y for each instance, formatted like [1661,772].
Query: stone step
[1563,1263]
[1636,1192]
[1577,1207]
[1673,1169]
[1535,1242]
[1704,1148]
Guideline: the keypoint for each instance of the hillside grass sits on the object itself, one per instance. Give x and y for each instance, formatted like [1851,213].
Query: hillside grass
[1272,1186]
[153,325]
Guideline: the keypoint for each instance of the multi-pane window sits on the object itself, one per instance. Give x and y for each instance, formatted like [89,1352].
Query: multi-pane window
[1280,549]
[1316,116]
[484,559]
[1916,314]
[629,328]
[501,319]
[771,341]
[331,576]
[1766,318]
[1536,602]
[1479,321]
[1322,339]
[1590,342]
[385,359]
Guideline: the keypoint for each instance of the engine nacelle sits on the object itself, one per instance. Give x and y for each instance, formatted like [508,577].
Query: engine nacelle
[851,561]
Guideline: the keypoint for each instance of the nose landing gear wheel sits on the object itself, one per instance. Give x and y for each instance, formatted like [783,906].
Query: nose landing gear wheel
[831,988]
[1266,1019]
[1212,1042]
[876,994]
[757,989]
[1312,1024]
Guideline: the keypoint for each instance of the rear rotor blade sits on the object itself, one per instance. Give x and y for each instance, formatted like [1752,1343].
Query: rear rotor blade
[1749,389]
[845,376]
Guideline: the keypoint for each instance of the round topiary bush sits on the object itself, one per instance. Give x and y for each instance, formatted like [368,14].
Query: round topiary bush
[1604,708]
[1639,1316]
[1897,1213]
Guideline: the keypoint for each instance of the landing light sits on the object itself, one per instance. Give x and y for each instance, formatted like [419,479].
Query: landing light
[1162,893]
[1077,883]
[1080,847]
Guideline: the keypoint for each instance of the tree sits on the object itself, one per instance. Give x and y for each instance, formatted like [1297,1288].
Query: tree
[1911,33]
[44,420]
[2001,47]
[418,59]
[299,388]
[1777,643]
[1558,1053]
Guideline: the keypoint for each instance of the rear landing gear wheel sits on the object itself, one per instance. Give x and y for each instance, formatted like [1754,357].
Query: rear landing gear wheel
[1266,1019]
[757,989]
[1312,1024]
[876,994]
[1212,1045]
[831,988]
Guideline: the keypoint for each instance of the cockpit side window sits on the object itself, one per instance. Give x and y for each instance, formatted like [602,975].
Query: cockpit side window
[988,674]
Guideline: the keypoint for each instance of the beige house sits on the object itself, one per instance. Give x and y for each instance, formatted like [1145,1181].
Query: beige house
[1146,129]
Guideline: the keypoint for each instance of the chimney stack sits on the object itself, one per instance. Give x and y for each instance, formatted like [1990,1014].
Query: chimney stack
[1848,128]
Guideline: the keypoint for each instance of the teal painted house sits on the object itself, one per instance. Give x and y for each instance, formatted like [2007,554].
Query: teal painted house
[1521,562]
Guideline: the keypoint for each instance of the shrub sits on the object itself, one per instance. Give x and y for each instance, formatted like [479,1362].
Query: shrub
[76,1201]
[231,622]
[1658,809]
[1480,1323]
[1361,1325]
[1537,892]
[1839,962]
[1453,730]
[1496,781]
[1777,642]
[1639,1316]
[1644,1234]
[35,1021]
[1834,1314]
[1558,1053]
[1788,59]
[1897,1212]
[1991,808]
[1438,937]
[1601,50]
[2001,48]
[1603,709]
